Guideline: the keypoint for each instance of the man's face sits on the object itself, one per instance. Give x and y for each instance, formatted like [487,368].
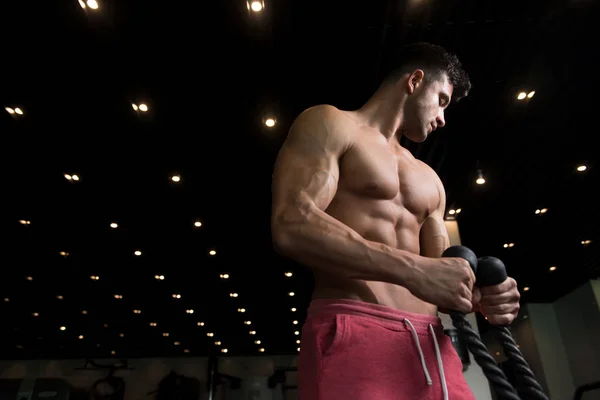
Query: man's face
[425,106]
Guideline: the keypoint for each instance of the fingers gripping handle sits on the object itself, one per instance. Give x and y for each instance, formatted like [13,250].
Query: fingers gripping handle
[462,252]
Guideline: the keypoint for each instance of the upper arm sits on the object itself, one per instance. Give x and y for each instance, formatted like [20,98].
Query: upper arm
[434,235]
[307,167]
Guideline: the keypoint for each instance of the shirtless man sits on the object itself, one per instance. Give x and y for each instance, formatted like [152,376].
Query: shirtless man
[368,219]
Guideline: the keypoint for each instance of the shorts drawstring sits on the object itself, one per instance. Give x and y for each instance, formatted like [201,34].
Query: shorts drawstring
[437,353]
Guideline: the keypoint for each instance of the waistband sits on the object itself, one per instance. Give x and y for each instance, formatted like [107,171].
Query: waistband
[321,307]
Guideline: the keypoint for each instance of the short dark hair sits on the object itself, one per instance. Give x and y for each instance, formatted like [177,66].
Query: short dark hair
[433,59]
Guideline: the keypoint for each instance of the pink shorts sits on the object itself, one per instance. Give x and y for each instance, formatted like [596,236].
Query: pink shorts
[351,350]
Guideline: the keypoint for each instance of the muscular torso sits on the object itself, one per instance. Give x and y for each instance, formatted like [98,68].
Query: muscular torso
[385,195]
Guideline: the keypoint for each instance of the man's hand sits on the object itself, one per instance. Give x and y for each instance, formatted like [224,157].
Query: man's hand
[499,303]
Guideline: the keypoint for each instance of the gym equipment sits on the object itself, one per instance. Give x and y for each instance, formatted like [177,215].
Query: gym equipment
[174,386]
[487,274]
[460,346]
[491,271]
[34,389]
[111,387]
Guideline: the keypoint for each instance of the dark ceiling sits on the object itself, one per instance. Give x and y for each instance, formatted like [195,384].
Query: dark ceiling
[210,72]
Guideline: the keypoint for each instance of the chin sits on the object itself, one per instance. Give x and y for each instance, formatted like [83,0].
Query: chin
[420,138]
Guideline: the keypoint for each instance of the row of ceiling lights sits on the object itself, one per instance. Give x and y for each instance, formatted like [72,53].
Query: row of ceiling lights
[175,295]
[269,121]
[254,5]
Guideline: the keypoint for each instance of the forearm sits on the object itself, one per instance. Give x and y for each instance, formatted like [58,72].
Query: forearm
[323,243]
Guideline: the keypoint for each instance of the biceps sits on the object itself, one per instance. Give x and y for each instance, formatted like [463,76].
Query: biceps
[434,237]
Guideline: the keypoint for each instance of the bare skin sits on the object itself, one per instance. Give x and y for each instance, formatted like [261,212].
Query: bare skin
[365,215]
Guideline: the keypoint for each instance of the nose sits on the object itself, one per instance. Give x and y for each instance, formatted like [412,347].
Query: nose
[440,121]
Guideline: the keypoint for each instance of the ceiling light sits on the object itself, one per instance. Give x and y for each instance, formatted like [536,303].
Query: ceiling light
[451,212]
[480,179]
[242,310]
[262,350]
[197,224]
[233,295]
[508,245]
[29,278]
[80,336]
[253,332]
[294,309]
[521,96]
[212,252]
[200,324]
[270,122]
[525,289]
[176,296]
[247,322]
[114,225]
[84,312]
[118,296]
[296,333]
[255,5]
[113,352]
[165,334]
[257,342]
[93,4]
[295,322]
[139,107]
[224,276]
[176,343]
[297,341]
[288,274]
[210,334]
[121,335]
[291,294]
[186,350]
[94,277]
[59,297]
[137,311]
[24,222]
[71,178]
[153,324]
[64,253]
[137,253]
[581,168]
[541,211]
[176,178]
[586,242]
[63,328]
[552,268]
[189,311]
[13,111]
[224,350]
[531,94]
[35,314]
[6,299]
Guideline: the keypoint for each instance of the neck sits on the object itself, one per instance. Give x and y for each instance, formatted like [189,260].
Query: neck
[383,111]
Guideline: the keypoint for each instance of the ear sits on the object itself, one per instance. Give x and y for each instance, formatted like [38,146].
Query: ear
[415,79]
